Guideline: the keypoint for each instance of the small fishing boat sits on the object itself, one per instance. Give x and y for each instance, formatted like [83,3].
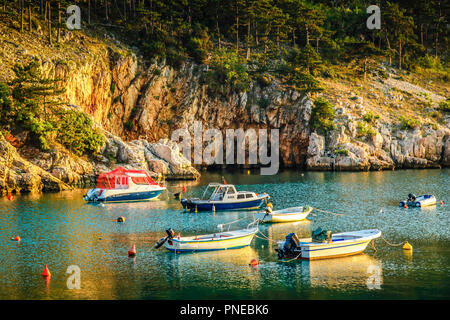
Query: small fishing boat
[285,215]
[210,242]
[219,196]
[323,244]
[121,185]
[420,201]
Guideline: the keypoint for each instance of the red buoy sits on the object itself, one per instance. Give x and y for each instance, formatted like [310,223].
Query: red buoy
[132,251]
[46,273]
[254,262]
[17,238]
[405,206]
[10,197]
[183,189]
[442,202]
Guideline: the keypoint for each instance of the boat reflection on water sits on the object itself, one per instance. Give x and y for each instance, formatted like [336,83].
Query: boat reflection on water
[353,271]
[210,267]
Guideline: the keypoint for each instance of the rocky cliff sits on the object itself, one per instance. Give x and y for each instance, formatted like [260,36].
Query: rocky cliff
[138,106]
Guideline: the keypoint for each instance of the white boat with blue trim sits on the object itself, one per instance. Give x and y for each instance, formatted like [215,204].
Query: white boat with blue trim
[329,246]
[121,185]
[218,196]
[210,242]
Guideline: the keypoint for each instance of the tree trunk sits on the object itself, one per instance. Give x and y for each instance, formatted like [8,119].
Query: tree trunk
[59,22]
[218,30]
[400,54]
[49,22]
[89,11]
[106,10]
[29,18]
[248,40]
[307,35]
[21,15]
[293,37]
[237,26]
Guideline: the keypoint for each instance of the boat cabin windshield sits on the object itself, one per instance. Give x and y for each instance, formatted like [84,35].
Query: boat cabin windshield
[217,192]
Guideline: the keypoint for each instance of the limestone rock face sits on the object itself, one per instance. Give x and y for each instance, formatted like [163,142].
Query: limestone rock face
[163,157]
[19,175]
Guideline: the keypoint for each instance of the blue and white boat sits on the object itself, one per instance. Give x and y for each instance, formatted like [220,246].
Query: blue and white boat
[121,185]
[420,201]
[219,196]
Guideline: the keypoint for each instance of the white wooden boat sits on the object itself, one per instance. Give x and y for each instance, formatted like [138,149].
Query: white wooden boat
[339,245]
[285,215]
[210,242]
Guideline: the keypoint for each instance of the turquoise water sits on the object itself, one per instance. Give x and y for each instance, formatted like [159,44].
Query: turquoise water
[61,230]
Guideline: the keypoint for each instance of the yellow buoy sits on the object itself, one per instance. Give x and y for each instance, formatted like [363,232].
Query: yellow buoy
[248,171]
[407,246]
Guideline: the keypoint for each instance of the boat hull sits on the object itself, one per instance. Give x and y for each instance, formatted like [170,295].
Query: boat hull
[218,205]
[275,217]
[340,245]
[333,251]
[125,196]
[180,245]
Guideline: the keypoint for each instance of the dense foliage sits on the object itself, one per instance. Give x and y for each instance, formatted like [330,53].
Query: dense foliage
[295,40]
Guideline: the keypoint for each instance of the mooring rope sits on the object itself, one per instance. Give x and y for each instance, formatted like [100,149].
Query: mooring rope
[392,244]
[333,213]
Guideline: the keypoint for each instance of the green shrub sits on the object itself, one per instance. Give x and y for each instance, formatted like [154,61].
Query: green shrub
[444,106]
[322,115]
[75,131]
[341,151]
[365,129]
[128,125]
[408,123]
[369,117]
[228,71]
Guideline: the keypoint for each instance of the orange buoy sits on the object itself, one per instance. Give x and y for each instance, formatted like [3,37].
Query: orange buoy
[254,262]
[183,189]
[17,238]
[10,197]
[405,206]
[132,251]
[46,273]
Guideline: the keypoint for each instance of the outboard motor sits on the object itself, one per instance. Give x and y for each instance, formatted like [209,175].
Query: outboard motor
[170,235]
[289,247]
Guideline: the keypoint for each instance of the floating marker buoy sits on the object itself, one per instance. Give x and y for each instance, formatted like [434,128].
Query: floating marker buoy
[46,273]
[121,219]
[254,262]
[183,189]
[248,171]
[442,202]
[10,197]
[17,238]
[132,251]
[407,246]
[405,206]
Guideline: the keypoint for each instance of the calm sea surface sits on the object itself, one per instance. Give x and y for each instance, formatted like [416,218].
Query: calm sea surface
[60,230]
